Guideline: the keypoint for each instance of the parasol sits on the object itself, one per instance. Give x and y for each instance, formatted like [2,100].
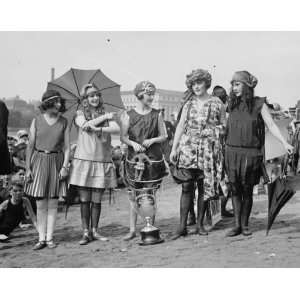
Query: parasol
[280,191]
[69,85]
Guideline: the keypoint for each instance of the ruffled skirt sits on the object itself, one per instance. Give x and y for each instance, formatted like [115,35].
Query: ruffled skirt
[242,166]
[92,174]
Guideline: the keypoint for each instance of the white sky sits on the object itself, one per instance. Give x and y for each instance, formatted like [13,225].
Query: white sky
[162,57]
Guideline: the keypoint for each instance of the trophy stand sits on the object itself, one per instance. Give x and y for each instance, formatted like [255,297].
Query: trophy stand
[145,206]
[144,200]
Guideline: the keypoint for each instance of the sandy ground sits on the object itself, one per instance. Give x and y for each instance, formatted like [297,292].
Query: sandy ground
[279,249]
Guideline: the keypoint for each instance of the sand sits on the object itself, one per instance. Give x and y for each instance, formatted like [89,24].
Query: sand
[279,249]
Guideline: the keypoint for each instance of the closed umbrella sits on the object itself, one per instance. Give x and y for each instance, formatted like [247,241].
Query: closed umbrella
[280,191]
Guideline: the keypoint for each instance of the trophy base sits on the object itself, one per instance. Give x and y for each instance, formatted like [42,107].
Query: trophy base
[150,237]
[144,243]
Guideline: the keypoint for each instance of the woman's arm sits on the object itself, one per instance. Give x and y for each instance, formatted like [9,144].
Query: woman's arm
[31,145]
[222,119]
[66,146]
[273,128]
[162,134]
[101,119]
[64,170]
[179,128]
[113,127]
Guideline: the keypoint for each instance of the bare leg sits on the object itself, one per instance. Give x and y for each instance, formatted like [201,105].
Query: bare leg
[132,220]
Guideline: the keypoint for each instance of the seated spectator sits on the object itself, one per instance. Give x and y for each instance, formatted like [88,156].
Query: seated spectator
[19,156]
[117,156]
[4,191]
[12,210]
[23,137]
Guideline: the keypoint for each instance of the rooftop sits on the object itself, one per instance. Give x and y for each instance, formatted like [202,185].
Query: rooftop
[158,91]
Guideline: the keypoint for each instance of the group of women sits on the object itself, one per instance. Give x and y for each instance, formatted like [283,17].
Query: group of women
[197,148]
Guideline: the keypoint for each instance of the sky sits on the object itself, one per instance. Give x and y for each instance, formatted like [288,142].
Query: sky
[161,57]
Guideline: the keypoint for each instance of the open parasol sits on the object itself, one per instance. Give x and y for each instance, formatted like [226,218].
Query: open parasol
[69,85]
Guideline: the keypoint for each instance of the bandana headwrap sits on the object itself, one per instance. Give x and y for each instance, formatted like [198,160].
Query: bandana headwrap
[245,77]
[144,87]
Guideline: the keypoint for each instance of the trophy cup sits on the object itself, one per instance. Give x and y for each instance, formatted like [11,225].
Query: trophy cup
[144,196]
[145,205]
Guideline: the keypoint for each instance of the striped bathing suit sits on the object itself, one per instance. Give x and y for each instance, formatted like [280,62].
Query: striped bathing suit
[47,159]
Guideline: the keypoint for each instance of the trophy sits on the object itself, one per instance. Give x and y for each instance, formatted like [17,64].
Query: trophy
[144,196]
[145,205]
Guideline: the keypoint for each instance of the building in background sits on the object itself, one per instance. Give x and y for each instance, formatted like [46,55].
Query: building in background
[164,99]
[295,111]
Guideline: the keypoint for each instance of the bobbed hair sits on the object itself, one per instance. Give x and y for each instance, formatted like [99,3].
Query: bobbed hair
[49,100]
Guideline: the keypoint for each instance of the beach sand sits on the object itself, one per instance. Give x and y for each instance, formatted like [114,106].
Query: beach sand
[279,249]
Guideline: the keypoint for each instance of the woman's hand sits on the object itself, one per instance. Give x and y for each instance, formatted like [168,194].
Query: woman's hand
[173,156]
[289,148]
[86,126]
[63,174]
[94,128]
[147,143]
[137,147]
[110,116]
[28,176]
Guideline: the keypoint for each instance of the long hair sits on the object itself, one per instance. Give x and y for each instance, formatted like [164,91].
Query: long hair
[85,106]
[247,97]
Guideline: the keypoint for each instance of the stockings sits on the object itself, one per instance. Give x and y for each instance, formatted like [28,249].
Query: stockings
[187,199]
[247,204]
[90,213]
[95,216]
[85,215]
[242,200]
[46,218]
[187,196]
[201,205]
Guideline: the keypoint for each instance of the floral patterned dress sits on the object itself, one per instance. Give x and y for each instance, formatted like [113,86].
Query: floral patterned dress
[200,146]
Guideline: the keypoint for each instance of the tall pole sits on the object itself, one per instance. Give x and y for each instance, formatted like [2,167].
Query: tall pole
[52,74]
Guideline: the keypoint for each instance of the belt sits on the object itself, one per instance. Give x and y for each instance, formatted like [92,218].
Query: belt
[47,152]
[244,147]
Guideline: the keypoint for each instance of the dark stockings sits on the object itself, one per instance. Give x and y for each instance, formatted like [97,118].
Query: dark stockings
[187,196]
[187,199]
[237,206]
[85,215]
[96,211]
[192,216]
[247,204]
[201,207]
[242,201]
[90,212]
